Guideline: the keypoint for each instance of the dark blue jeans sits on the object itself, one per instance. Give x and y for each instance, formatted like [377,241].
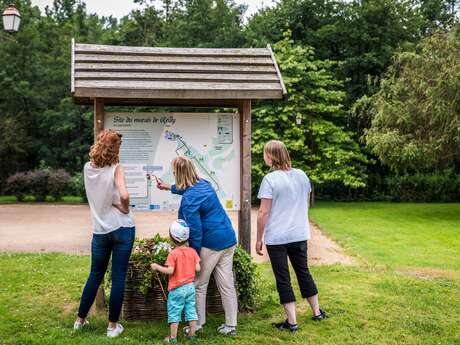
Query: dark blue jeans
[117,243]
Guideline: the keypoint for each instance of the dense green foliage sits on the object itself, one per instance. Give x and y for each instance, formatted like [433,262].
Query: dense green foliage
[438,186]
[416,113]
[38,121]
[363,35]
[337,52]
[40,183]
[246,280]
[319,145]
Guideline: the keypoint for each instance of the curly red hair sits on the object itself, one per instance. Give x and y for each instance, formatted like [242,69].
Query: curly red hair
[106,149]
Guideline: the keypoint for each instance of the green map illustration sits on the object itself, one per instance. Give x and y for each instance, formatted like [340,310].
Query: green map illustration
[207,164]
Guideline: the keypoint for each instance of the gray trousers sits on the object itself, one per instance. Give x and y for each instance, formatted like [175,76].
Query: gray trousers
[221,263]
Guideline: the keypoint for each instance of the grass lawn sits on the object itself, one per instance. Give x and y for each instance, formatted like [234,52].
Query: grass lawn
[39,296]
[397,235]
[69,199]
[373,302]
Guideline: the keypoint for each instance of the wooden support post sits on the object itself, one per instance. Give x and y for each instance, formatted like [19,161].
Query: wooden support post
[244,219]
[99,115]
[100,298]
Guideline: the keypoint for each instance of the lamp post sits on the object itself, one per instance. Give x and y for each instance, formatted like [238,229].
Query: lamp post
[11,19]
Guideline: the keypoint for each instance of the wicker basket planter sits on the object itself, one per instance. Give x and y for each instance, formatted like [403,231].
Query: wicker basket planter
[152,305]
[146,297]
[213,300]
[136,305]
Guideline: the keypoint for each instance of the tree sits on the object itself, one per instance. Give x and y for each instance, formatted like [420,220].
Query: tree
[416,114]
[141,28]
[20,76]
[438,14]
[362,34]
[318,145]
[186,23]
[38,121]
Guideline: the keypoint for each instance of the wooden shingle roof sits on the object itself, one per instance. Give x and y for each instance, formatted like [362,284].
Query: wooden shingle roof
[123,73]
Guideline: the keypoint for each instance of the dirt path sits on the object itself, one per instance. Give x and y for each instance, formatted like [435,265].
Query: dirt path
[66,228]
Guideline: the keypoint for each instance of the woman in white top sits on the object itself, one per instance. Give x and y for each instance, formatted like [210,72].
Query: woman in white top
[283,222]
[113,227]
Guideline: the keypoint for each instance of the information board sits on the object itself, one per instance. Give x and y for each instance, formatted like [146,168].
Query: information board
[152,140]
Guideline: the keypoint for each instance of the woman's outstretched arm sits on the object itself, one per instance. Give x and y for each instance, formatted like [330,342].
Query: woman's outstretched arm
[165,186]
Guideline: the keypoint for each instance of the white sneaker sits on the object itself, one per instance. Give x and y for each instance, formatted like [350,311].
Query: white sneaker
[226,330]
[115,332]
[78,325]
[186,330]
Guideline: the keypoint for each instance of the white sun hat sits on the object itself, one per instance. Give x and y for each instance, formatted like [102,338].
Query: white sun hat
[179,230]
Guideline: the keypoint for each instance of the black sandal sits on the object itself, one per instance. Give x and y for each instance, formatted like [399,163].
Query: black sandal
[321,316]
[285,326]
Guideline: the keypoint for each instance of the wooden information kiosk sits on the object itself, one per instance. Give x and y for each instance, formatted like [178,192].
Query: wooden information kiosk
[180,77]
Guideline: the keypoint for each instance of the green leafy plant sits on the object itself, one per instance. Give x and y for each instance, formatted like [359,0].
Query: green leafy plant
[246,276]
[156,249]
[148,251]
[18,185]
[77,186]
[40,183]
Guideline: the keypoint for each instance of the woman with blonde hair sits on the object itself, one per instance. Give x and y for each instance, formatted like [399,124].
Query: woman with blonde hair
[283,222]
[113,227]
[211,235]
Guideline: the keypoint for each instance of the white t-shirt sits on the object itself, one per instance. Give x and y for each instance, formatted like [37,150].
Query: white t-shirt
[102,193]
[288,219]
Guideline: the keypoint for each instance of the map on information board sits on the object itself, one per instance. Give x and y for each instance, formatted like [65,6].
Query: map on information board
[152,140]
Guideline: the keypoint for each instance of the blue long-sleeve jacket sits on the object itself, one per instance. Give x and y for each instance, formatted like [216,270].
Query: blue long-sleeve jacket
[209,225]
